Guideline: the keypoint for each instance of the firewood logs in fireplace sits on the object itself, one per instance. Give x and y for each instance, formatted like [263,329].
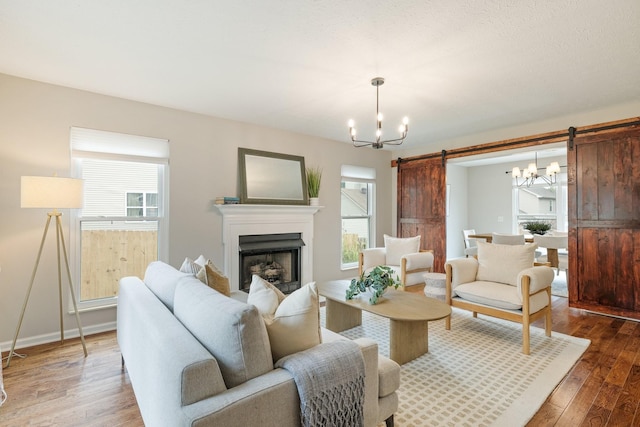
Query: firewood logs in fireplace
[272,272]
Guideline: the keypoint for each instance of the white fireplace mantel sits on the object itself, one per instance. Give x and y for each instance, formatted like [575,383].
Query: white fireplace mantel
[246,219]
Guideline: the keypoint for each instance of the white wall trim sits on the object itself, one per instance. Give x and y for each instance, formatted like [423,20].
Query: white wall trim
[55,336]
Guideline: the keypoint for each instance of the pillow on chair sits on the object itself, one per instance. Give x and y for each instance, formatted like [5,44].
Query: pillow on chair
[396,247]
[502,263]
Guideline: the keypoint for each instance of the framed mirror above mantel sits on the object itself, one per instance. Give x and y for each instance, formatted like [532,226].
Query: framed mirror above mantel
[272,178]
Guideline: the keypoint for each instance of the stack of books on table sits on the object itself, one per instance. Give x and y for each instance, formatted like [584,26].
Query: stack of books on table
[227,200]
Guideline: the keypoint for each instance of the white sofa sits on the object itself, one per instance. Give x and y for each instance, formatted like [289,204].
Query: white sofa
[177,379]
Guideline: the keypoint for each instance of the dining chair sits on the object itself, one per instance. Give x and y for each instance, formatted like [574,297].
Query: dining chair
[553,243]
[470,246]
[507,239]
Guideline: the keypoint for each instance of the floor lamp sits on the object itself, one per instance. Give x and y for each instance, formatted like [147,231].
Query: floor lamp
[51,193]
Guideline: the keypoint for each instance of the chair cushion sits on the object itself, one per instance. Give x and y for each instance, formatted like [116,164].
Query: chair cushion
[490,293]
[502,263]
[499,295]
[293,325]
[396,247]
[232,331]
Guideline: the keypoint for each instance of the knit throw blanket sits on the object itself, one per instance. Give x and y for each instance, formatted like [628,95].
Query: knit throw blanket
[330,382]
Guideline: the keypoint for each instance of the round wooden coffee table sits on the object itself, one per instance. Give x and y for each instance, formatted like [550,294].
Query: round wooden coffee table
[408,314]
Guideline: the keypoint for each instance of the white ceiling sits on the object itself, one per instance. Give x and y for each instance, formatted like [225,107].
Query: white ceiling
[455,67]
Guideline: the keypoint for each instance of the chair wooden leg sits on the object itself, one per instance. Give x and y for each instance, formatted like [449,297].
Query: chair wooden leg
[389,421]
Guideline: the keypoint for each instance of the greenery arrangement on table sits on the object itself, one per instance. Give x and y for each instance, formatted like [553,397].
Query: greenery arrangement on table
[314,176]
[537,227]
[377,281]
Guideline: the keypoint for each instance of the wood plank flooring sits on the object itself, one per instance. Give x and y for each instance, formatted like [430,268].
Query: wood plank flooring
[56,386]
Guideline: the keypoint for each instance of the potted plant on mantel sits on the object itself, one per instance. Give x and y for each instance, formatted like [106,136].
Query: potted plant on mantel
[537,227]
[377,282]
[314,176]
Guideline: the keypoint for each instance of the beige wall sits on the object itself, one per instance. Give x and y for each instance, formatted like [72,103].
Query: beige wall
[34,140]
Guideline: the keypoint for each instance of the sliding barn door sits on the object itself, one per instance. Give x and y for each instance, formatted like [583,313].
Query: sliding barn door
[421,205]
[604,222]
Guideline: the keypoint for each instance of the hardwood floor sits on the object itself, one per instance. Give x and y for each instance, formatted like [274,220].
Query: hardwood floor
[56,386]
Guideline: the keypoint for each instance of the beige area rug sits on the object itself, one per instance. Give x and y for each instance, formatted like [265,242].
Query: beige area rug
[475,374]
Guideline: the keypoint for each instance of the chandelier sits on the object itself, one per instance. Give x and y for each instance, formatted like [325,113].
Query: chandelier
[530,173]
[379,142]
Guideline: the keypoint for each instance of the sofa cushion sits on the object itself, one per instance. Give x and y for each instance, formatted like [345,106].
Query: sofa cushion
[233,332]
[502,263]
[162,280]
[396,247]
[294,324]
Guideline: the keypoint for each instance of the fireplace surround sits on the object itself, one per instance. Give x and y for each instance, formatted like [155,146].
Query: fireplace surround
[247,219]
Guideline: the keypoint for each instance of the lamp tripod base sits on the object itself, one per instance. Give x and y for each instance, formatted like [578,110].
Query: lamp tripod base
[60,242]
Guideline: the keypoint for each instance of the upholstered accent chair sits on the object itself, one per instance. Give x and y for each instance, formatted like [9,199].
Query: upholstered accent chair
[403,255]
[502,282]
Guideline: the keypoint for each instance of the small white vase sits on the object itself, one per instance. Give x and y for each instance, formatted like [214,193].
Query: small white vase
[314,201]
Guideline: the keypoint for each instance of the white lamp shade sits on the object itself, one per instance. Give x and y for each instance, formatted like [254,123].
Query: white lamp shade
[51,192]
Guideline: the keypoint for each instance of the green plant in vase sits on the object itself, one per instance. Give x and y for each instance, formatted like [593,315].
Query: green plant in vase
[537,227]
[314,176]
[377,281]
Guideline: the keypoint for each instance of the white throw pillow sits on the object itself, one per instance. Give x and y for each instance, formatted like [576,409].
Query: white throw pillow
[502,263]
[294,324]
[190,266]
[264,296]
[396,247]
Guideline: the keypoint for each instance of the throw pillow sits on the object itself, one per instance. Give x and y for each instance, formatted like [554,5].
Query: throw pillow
[294,324]
[264,296]
[190,266]
[502,263]
[396,247]
[214,278]
[205,270]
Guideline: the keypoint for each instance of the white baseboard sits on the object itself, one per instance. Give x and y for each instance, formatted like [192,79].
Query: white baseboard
[55,336]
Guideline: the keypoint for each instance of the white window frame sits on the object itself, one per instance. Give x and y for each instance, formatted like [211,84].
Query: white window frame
[103,145]
[144,206]
[368,176]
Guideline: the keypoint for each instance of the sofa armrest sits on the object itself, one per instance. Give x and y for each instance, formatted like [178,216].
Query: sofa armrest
[251,403]
[370,258]
[382,375]
[418,261]
[459,271]
[540,278]
[168,367]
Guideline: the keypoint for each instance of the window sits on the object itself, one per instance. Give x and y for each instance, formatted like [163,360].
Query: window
[542,202]
[122,226]
[357,190]
[142,204]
